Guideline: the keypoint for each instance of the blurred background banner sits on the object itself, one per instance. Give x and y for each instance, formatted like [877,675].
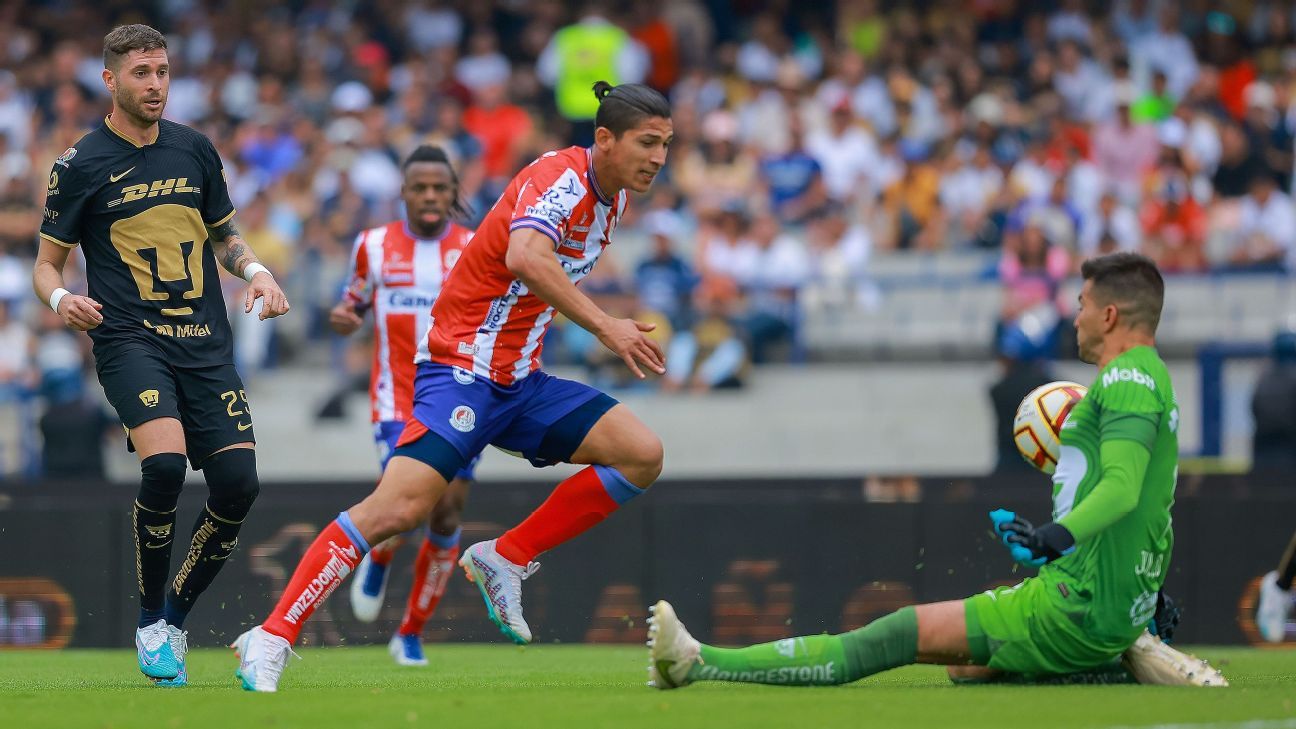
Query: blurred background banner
[808,556]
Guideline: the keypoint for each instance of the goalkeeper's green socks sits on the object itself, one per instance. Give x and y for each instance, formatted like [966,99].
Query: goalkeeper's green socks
[817,660]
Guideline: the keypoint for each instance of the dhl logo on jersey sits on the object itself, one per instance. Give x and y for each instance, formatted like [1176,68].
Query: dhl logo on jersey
[156,188]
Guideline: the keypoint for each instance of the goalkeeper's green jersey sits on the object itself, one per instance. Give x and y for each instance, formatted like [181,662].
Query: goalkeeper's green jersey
[1118,512]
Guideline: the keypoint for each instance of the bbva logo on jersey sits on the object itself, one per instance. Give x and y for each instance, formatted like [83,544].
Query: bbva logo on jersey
[1128,374]
[156,188]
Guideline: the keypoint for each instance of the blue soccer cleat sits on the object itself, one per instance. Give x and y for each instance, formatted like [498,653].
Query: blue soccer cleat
[368,588]
[153,649]
[407,650]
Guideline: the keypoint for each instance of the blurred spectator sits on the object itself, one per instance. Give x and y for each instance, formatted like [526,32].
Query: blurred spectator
[504,130]
[912,205]
[1166,50]
[1266,235]
[1032,270]
[1175,227]
[1113,221]
[1273,405]
[15,113]
[592,49]
[794,179]
[847,156]
[972,195]
[770,267]
[1239,163]
[17,346]
[664,281]
[709,354]
[1155,105]
[651,29]
[1124,151]
[718,173]
[483,66]
[838,259]
[1079,80]
[1269,132]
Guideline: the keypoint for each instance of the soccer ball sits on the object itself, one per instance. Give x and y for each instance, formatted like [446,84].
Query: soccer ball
[1039,422]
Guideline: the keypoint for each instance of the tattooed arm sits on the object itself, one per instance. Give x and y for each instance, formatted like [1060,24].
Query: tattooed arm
[235,255]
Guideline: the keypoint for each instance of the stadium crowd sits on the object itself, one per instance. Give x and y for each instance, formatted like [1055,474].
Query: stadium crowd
[809,142]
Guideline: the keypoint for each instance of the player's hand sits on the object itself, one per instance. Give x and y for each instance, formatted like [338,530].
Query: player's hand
[343,319]
[1029,545]
[625,338]
[80,312]
[273,301]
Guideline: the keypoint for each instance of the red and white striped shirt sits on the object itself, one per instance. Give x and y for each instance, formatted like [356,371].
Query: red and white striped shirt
[400,276]
[486,320]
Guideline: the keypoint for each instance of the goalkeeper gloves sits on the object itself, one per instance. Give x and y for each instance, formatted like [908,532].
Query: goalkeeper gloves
[1029,545]
[1166,619]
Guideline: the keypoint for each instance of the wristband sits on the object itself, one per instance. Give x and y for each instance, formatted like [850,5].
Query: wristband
[253,269]
[56,297]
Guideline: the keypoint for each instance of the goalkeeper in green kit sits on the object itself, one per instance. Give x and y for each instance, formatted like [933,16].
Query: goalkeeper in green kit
[1101,560]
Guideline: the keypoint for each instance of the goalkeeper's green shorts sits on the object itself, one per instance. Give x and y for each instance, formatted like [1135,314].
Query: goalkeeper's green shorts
[1035,627]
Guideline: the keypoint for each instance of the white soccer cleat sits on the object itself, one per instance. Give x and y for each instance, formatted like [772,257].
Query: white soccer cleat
[1153,662]
[1272,609]
[500,584]
[262,657]
[672,652]
[179,641]
[153,652]
[368,588]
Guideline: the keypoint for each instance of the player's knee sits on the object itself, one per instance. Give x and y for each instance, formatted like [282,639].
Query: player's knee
[162,477]
[646,461]
[232,482]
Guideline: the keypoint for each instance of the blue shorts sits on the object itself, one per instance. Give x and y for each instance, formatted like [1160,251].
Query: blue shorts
[541,418]
[387,432]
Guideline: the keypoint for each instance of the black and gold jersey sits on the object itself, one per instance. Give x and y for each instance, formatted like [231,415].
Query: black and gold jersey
[140,215]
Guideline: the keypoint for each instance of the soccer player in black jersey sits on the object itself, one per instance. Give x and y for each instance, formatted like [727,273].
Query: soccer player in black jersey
[146,201]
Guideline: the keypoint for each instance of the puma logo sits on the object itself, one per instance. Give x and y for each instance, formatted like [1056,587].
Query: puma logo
[114,178]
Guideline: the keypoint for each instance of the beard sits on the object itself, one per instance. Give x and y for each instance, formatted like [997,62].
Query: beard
[1087,351]
[135,108]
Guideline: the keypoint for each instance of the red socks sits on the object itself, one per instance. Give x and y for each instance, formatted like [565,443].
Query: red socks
[384,551]
[432,569]
[328,560]
[577,504]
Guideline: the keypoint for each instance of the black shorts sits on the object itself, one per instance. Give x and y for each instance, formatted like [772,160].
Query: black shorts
[208,401]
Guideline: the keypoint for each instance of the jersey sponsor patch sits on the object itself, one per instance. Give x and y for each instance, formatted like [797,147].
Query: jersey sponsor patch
[557,203]
[1128,374]
[66,157]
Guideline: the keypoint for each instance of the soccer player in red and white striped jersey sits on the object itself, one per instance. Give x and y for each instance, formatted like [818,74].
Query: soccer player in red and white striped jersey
[479,381]
[397,271]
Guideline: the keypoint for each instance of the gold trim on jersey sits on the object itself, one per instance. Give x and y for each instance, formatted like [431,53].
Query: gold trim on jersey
[157,129]
[223,220]
[58,242]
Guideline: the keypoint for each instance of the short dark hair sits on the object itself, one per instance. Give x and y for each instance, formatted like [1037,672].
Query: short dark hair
[126,38]
[622,108]
[434,154]
[1131,282]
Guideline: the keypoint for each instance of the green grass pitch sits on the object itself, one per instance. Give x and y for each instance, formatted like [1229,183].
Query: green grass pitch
[471,686]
